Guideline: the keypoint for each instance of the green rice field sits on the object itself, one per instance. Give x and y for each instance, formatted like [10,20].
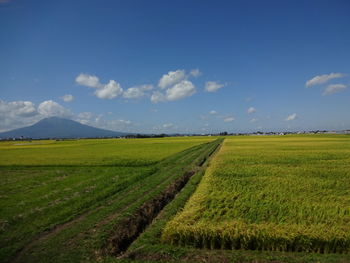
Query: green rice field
[93,152]
[280,193]
[60,199]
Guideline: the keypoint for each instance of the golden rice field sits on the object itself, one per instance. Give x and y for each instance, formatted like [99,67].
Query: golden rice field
[280,193]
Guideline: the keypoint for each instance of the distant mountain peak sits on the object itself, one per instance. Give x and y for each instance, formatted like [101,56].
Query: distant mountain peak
[57,127]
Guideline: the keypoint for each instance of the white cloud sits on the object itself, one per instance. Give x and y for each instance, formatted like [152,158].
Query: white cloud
[253,120]
[88,80]
[229,119]
[251,110]
[334,88]
[157,97]
[172,78]
[213,112]
[137,91]
[291,117]
[17,114]
[67,98]
[321,79]
[109,91]
[85,117]
[181,90]
[195,73]
[97,120]
[175,85]
[168,125]
[17,108]
[212,86]
[51,108]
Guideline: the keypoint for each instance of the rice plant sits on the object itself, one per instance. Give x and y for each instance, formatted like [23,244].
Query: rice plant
[289,193]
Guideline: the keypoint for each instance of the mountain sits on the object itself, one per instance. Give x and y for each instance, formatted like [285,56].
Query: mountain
[56,127]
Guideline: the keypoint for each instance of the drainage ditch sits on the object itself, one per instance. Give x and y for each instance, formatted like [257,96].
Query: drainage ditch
[134,225]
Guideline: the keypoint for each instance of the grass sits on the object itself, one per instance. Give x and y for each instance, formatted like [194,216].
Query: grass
[60,210]
[288,193]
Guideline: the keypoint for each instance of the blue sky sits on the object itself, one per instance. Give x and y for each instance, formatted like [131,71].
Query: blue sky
[176,66]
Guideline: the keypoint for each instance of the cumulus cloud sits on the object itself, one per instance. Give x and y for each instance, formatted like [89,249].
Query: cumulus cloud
[17,108]
[88,80]
[172,86]
[51,108]
[171,78]
[213,86]
[175,85]
[157,97]
[67,98]
[334,88]
[181,90]
[195,73]
[251,110]
[229,119]
[108,91]
[98,120]
[18,114]
[291,117]
[85,117]
[137,91]
[253,120]
[213,112]
[321,79]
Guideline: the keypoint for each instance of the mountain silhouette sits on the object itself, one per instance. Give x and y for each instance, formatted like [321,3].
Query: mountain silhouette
[55,127]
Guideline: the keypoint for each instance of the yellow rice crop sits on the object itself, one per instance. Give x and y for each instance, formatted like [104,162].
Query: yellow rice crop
[286,193]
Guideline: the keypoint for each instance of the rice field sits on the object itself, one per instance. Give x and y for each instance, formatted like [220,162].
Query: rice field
[280,193]
[59,200]
[68,201]
[93,152]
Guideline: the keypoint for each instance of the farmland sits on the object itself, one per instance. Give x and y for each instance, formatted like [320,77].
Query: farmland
[61,199]
[189,199]
[93,152]
[287,193]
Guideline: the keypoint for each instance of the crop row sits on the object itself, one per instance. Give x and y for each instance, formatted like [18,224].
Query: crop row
[271,193]
[65,214]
